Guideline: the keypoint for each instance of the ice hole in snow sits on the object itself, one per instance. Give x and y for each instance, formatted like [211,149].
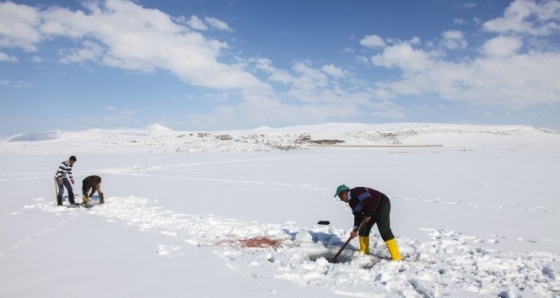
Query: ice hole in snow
[344,257]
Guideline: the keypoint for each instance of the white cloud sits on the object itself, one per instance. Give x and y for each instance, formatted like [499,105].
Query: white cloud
[197,24]
[363,59]
[36,59]
[503,79]
[123,34]
[403,56]
[468,5]
[334,71]
[17,26]
[372,41]
[15,84]
[7,58]
[275,75]
[319,94]
[333,106]
[502,46]
[202,25]
[505,74]
[528,17]
[307,83]
[454,40]
[90,51]
[217,24]
[415,41]
[459,21]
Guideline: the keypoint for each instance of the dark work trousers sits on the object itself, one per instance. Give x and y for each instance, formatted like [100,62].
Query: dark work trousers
[66,183]
[381,217]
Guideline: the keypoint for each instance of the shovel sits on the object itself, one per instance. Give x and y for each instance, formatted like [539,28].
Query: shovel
[347,241]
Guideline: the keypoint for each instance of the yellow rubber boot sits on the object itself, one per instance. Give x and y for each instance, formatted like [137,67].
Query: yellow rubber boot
[364,245]
[393,250]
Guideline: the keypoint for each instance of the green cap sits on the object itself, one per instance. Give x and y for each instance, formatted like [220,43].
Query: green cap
[340,189]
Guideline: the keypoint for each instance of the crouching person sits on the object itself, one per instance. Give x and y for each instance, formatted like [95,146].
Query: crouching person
[92,183]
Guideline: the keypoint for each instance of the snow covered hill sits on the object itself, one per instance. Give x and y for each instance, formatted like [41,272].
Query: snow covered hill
[158,139]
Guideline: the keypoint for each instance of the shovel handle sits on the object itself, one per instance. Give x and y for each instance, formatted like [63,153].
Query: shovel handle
[341,249]
[348,241]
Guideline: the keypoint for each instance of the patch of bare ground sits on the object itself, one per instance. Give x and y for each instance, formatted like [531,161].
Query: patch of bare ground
[254,242]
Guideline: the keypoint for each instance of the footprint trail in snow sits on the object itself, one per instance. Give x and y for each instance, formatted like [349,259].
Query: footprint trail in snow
[448,264]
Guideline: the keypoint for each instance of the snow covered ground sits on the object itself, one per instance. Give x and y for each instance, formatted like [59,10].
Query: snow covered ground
[474,208]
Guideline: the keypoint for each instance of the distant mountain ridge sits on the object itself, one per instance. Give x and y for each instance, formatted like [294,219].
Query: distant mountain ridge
[159,139]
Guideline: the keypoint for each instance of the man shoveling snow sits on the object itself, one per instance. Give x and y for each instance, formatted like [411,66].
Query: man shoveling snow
[373,207]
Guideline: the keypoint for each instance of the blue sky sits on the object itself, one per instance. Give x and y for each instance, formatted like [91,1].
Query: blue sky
[220,65]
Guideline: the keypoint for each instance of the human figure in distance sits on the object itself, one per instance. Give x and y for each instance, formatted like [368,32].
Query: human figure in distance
[64,178]
[92,183]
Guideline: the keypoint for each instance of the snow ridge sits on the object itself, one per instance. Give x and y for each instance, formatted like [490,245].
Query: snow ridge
[159,139]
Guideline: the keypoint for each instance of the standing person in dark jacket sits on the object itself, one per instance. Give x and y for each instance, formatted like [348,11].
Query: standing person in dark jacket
[373,207]
[64,178]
